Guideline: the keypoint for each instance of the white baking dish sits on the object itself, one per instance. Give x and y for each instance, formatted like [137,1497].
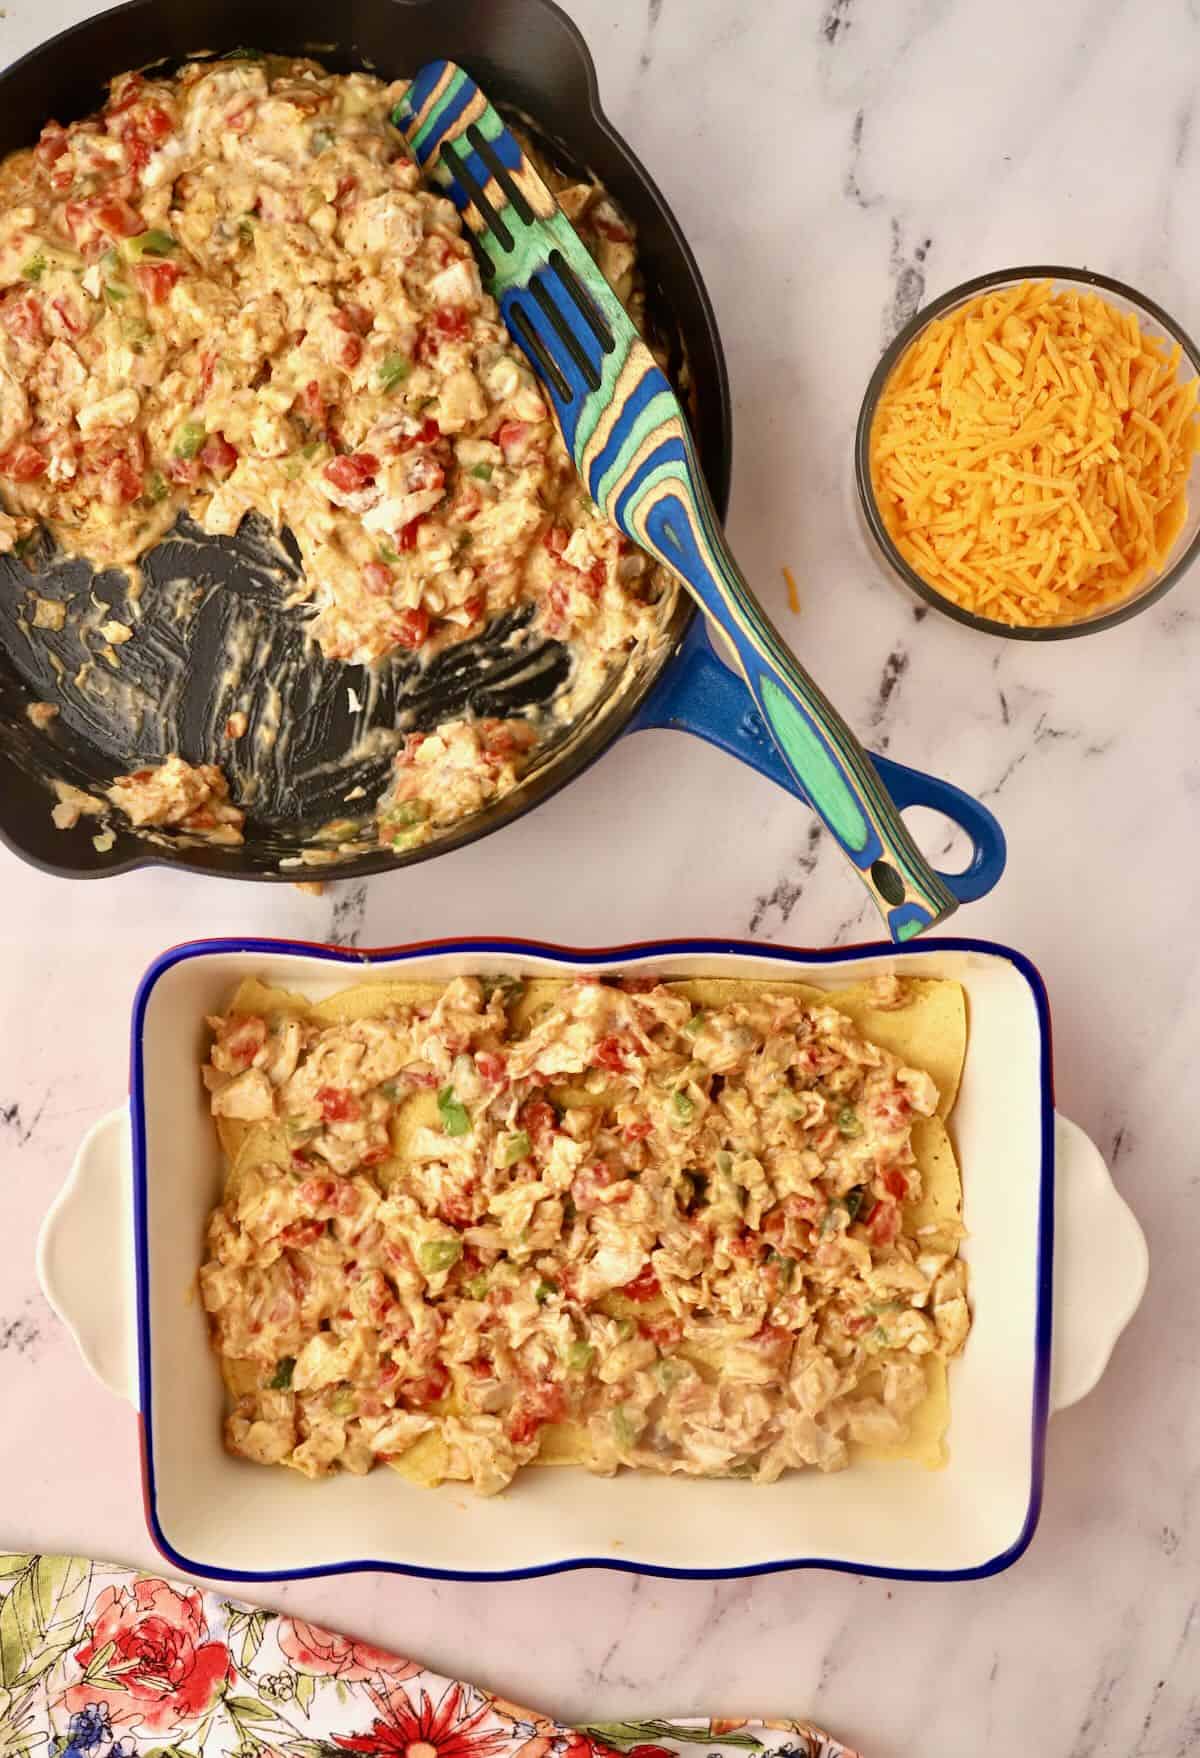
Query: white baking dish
[138,1201]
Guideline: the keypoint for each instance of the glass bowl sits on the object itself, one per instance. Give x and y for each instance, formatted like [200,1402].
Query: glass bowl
[1152,318]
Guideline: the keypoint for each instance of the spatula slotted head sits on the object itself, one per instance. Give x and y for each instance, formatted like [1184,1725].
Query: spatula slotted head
[556,303]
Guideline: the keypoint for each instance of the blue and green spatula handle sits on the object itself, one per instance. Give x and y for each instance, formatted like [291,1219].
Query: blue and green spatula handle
[624,426]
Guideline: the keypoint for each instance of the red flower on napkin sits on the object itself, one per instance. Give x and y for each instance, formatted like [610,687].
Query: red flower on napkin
[147,1658]
[423,1730]
[315,1650]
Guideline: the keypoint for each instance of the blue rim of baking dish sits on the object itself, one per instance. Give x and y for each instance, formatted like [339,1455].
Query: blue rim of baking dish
[362,960]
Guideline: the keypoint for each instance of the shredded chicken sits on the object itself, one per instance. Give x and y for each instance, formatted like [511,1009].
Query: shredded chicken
[680,1232]
[185,796]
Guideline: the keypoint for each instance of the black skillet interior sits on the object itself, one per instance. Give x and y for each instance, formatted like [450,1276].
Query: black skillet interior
[205,598]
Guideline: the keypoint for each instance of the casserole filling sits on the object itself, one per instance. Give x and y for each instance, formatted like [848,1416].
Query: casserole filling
[230,293]
[702,1228]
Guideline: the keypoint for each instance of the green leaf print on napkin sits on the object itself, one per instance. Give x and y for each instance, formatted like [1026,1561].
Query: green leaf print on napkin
[40,1615]
[626,1734]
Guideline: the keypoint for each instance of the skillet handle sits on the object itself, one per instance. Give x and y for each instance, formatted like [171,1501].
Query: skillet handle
[699,694]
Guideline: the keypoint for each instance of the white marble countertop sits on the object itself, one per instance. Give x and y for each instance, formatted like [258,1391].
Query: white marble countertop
[832,166]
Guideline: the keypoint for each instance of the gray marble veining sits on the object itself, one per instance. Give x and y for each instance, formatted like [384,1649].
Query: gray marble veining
[834,164]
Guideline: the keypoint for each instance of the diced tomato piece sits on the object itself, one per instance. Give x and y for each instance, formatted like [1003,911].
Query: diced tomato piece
[316,1193]
[99,217]
[79,221]
[896,1184]
[407,755]
[611,1053]
[217,455]
[377,579]
[23,317]
[301,1233]
[539,1405]
[348,348]
[884,1224]
[428,434]
[121,485]
[412,628]
[51,145]
[422,474]
[143,132]
[126,93]
[345,191]
[357,316]
[637,1131]
[645,1285]
[312,404]
[208,368]
[452,320]
[539,1120]
[458,1207]
[557,537]
[137,151]
[158,122]
[558,601]
[406,537]
[156,279]
[592,581]
[338,1106]
[376,1156]
[69,316]
[250,1031]
[428,1389]
[117,217]
[612,230]
[492,1065]
[22,463]
[502,739]
[522,1425]
[511,440]
[468,502]
[351,472]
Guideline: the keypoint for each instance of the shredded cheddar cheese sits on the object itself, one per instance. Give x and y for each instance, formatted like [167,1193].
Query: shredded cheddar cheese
[1030,454]
[792,591]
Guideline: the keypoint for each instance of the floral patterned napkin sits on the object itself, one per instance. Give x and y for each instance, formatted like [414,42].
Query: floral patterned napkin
[101,1662]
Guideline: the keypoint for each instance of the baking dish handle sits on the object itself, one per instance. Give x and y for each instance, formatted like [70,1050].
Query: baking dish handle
[699,694]
[1101,1265]
[85,1254]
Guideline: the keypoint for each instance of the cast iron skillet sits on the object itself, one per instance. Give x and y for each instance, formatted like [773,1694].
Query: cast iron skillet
[530,57]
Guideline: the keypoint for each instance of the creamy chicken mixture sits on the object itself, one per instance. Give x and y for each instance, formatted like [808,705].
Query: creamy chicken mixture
[192,797]
[679,1232]
[174,795]
[443,776]
[231,292]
